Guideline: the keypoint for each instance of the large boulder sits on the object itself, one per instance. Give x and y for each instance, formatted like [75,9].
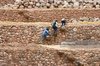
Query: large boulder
[26,4]
[43,5]
[55,5]
[50,1]
[76,4]
[97,6]
[38,5]
[65,4]
[96,19]
[21,7]
[18,1]
[31,3]
[48,5]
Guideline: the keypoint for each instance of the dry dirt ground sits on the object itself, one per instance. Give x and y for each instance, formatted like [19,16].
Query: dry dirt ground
[48,23]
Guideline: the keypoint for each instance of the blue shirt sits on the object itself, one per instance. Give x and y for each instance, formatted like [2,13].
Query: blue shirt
[45,33]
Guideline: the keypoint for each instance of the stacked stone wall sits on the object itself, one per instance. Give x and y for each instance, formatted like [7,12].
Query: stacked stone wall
[45,15]
[31,34]
[48,57]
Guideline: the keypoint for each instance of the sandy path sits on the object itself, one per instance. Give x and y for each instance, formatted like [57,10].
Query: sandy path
[32,46]
[73,47]
[47,23]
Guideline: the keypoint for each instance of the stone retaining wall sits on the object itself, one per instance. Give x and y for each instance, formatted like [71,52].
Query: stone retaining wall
[20,34]
[45,15]
[48,57]
[31,34]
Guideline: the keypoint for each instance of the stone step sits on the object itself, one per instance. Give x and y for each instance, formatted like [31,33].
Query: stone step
[83,42]
[73,47]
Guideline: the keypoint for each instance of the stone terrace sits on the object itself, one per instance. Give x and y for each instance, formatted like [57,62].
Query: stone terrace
[21,23]
[25,33]
[19,46]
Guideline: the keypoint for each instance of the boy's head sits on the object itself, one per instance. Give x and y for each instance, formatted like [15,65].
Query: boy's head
[55,20]
[63,19]
[47,28]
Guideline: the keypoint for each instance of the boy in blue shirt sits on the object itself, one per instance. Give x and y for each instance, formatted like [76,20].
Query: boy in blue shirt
[45,33]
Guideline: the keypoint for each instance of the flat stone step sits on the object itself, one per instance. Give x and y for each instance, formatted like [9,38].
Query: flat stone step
[83,42]
[73,47]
